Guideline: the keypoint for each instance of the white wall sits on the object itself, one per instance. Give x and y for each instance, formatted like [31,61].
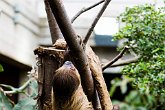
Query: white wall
[19,30]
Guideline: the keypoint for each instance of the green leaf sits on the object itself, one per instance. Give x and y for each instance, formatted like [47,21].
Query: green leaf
[132,97]
[1,68]
[33,87]
[26,104]
[5,103]
[123,86]
[112,90]
[115,83]
[156,50]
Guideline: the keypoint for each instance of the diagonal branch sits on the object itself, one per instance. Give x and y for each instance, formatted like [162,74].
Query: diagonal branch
[53,26]
[115,59]
[125,62]
[77,52]
[95,21]
[85,9]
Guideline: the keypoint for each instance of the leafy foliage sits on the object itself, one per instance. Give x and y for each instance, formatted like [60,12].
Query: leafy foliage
[119,83]
[144,32]
[27,103]
[5,102]
[134,100]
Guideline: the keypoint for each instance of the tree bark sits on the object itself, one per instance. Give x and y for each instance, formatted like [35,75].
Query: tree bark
[53,26]
[49,61]
[77,51]
[99,81]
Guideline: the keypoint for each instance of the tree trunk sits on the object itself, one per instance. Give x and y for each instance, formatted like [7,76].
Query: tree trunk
[49,60]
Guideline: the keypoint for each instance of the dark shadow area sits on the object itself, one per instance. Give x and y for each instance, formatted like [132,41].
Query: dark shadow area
[11,74]
[117,94]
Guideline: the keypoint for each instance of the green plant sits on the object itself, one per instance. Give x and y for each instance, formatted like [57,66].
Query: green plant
[134,100]
[27,103]
[144,32]
[119,83]
[1,68]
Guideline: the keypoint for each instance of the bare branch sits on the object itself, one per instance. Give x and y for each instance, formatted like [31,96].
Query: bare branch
[53,26]
[125,62]
[85,9]
[77,52]
[100,84]
[95,21]
[115,59]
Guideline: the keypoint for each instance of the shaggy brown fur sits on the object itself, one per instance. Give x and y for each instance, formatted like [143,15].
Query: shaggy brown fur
[67,93]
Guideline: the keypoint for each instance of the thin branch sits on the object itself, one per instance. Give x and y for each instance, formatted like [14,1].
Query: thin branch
[16,90]
[115,59]
[125,62]
[7,86]
[95,21]
[85,9]
[77,52]
[53,26]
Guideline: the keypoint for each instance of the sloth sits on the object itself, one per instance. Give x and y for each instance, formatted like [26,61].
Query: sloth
[67,92]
